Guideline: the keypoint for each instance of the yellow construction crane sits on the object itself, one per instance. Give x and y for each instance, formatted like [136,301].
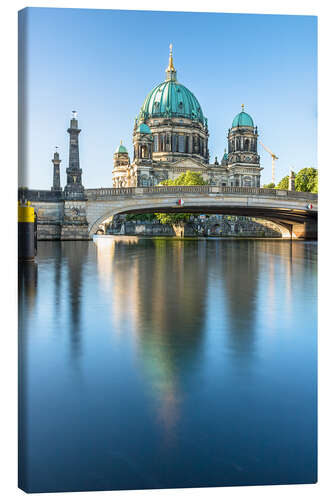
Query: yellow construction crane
[274,157]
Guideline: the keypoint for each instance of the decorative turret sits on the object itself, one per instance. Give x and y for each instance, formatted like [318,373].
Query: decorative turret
[56,172]
[243,158]
[120,156]
[74,188]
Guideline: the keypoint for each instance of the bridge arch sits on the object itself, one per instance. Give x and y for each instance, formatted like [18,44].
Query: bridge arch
[284,227]
[294,213]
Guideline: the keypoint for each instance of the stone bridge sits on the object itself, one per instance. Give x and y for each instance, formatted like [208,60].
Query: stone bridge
[294,212]
[289,209]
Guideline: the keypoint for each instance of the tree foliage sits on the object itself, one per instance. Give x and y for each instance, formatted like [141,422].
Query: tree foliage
[172,218]
[141,217]
[284,183]
[271,185]
[306,180]
[188,178]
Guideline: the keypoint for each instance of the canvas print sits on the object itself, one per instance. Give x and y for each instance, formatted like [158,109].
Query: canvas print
[167,230]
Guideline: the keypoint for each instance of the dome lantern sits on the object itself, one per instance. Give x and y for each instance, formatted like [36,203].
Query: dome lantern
[171,73]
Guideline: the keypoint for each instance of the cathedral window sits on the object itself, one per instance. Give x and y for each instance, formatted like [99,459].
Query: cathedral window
[144,152]
[144,181]
[174,142]
[181,144]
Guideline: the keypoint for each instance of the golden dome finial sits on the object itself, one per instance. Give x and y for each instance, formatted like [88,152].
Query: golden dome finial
[242,107]
[171,66]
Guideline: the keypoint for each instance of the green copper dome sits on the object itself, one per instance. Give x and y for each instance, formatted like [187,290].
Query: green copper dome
[121,148]
[171,99]
[143,129]
[242,120]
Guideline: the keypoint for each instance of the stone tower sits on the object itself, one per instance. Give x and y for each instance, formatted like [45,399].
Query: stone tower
[74,188]
[56,172]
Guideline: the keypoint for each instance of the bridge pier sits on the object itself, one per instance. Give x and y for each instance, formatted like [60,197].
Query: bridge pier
[305,231]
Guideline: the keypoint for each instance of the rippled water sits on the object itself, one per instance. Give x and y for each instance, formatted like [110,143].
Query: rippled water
[155,363]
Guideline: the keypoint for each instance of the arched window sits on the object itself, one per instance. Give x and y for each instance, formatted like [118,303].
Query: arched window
[247,145]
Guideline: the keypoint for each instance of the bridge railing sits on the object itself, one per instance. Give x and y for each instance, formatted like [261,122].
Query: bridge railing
[107,193]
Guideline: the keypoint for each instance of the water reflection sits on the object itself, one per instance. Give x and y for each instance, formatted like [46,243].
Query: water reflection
[198,352]
[74,256]
[240,268]
[143,291]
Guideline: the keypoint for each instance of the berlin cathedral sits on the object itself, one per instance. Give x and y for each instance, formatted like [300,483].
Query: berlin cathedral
[170,136]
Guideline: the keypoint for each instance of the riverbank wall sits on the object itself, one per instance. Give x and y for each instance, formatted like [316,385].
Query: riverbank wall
[212,226]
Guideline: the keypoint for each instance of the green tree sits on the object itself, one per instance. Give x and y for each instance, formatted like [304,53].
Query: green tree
[172,218]
[284,183]
[306,180]
[271,185]
[136,217]
[188,178]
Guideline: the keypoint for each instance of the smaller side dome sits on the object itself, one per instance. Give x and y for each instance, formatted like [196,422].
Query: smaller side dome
[242,119]
[143,129]
[121,148]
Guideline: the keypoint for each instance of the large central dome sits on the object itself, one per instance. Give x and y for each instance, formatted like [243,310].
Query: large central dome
[171,99]
[170,125]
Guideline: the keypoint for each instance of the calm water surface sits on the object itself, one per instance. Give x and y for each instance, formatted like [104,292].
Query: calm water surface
[155,363]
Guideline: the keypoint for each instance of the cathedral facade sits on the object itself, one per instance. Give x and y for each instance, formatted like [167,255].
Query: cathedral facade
[170,136]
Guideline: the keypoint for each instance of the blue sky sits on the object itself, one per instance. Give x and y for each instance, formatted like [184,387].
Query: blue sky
[103,63]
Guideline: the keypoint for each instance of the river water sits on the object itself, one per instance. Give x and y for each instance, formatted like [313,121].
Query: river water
[158,363]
